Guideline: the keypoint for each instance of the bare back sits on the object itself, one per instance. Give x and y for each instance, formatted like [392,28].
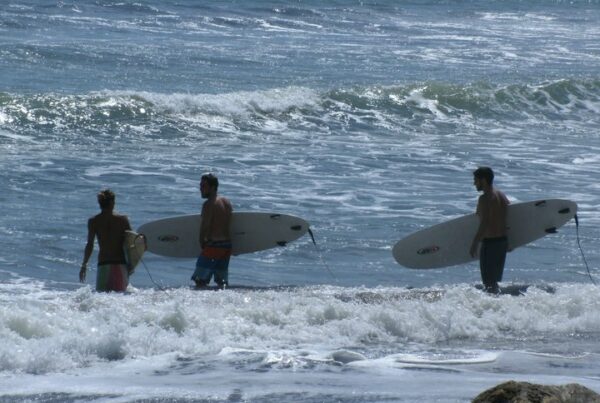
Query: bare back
[110,229]
[216,220]
[492,209]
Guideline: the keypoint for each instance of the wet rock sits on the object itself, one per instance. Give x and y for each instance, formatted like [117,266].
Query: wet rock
[524,392]
[345,356]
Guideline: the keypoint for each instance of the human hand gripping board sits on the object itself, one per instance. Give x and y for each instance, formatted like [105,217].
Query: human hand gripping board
[448,243]
[250,232]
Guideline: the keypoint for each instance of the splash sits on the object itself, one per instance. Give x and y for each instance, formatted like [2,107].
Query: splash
[56,331]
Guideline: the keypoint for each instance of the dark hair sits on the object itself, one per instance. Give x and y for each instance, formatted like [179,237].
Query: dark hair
[211,179]
[484,173]
[105,198]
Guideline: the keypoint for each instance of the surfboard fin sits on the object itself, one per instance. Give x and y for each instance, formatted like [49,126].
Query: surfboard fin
[551,230]
[566,210]
[281,243]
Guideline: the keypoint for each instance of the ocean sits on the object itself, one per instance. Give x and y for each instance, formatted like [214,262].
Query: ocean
[366,118]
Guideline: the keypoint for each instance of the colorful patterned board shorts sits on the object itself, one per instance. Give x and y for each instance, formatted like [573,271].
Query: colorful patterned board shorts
[112,277]
[214,261]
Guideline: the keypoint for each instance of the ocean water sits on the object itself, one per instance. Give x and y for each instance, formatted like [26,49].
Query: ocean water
[366,118]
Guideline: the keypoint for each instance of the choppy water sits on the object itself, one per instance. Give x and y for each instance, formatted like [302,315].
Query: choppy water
[366,120]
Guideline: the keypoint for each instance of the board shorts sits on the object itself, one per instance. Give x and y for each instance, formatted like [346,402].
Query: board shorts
[491,261]
[112,277]
[213,261]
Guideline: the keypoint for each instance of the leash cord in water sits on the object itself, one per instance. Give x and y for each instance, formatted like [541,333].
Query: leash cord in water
[312,236]
[581,250]
[146,267]
[161,288]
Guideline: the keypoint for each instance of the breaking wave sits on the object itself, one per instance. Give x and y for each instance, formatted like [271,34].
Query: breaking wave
[296,108]
[56,331]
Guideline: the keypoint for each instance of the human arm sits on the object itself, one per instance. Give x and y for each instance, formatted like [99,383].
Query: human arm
[205,224]
[126,223]
[89,248]
[126,246]
[483,223]
[228,215]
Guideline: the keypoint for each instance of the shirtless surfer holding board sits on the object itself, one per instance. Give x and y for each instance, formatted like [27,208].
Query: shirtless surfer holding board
[491,209]
[215,236]
[109,228]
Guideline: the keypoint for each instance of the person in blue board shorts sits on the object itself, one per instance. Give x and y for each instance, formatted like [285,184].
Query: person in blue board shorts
[109,228]
[492,211]
[214,237]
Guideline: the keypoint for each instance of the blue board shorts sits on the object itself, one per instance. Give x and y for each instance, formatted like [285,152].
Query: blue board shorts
[213,262]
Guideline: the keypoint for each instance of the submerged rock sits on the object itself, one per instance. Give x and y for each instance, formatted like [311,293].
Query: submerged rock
[524,392]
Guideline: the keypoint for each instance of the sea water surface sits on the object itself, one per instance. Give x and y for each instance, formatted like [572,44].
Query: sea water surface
[366,118]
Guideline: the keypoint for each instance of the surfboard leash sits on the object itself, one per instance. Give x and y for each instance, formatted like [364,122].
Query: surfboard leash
[144,263]
[581,250]
[312,236]
[161,288]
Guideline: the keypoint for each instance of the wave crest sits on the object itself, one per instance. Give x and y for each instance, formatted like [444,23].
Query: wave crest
[298,108]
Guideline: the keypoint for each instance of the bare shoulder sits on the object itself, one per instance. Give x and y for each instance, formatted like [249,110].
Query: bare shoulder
[500,195]
[226,203]
[94,220]
[125,221]
[482,200]
[122,217]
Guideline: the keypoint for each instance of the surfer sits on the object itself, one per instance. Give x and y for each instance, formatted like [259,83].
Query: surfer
[214,237]
[491,209]
[109,228]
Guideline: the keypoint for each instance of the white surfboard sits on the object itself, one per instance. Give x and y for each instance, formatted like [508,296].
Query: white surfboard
[448,243]
[250,232]
[134,246]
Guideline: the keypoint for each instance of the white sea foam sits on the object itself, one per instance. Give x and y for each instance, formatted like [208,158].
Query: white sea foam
[276,100]
[17,137]
[504,16]
[57,331]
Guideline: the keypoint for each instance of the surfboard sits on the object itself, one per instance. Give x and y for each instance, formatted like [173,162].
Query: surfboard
[250,232]
[134,247]
[448,243]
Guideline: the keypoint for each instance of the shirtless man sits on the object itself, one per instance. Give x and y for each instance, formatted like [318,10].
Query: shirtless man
[491,209]
[214,237]
[109,228]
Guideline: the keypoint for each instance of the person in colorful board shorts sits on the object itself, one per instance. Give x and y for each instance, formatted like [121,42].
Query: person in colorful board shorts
[492,210]
[214,237]
[109,228]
